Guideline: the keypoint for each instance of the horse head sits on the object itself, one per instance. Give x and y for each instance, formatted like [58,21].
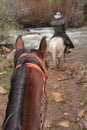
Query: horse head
[28,83]
[40,52]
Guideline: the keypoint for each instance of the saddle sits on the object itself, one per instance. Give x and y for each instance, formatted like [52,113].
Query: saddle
[67,40]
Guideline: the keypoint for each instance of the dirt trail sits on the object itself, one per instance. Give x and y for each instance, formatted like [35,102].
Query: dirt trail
[71,82]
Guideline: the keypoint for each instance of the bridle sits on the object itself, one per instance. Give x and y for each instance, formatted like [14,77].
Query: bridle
[41,69]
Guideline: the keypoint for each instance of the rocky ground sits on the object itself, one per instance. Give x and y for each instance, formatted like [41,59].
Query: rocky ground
[66,95]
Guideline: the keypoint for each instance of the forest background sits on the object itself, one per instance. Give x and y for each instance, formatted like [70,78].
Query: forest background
[39,13]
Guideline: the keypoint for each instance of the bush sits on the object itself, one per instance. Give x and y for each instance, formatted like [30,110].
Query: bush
[37,13]
[7,18]
[7,12]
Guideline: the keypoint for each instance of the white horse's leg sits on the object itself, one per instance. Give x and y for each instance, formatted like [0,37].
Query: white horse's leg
[54,58]
[58,58]
[58,63]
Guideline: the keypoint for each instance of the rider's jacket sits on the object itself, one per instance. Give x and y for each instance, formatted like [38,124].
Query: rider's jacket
[59,26]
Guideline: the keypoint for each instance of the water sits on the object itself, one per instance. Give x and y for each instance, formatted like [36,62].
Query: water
[33,40]
[33,36]
[78,36]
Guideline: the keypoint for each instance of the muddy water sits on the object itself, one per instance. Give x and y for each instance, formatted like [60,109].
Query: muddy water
[33,36]
[78,37]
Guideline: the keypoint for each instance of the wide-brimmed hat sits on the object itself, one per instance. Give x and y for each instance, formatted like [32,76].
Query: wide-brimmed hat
[58,15]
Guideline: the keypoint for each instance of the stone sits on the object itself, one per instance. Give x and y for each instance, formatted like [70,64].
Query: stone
[5,49]
[65,123]
[10,56]
[58,97]
[5,64]
[3,91]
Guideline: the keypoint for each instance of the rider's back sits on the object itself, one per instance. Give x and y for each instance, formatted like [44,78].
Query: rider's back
[59,26]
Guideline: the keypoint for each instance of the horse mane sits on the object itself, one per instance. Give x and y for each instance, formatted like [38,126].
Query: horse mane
[13,119]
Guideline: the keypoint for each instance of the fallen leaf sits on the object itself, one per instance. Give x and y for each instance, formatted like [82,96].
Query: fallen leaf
[64,123]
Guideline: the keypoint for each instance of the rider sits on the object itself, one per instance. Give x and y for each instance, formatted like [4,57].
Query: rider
[59,26]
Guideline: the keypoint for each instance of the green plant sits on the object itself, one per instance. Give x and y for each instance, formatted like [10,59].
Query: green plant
[84,68]
[5,86]
[2,59]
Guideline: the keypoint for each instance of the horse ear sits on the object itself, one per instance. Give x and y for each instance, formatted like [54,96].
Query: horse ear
[43,46]
[19,43]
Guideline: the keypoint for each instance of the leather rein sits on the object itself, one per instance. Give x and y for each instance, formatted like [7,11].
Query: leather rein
[35,66]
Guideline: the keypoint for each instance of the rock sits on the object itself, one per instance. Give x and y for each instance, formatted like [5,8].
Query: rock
[5,49]
[63,78]
[64,123]
[5,65]
[81,103]
[10,56]
[66,114]
[65,66]
[3,91]
[83,124]
[58,97]
[81,113]
[55,85]
[82,119]
[47,123]
[1,73]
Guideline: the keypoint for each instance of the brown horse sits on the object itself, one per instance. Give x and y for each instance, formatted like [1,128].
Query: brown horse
[27,88]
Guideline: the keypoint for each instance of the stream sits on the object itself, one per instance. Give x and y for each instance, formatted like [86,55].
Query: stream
[32,37]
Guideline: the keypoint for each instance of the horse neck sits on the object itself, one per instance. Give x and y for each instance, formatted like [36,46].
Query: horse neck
[32,100]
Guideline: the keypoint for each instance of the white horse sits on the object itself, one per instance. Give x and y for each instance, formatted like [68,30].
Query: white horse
[58,49]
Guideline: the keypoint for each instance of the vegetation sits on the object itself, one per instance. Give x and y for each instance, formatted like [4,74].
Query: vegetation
[37,13]
[5,73]
[5,86]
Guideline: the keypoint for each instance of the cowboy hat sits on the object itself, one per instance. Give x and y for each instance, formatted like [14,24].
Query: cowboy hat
[58,15]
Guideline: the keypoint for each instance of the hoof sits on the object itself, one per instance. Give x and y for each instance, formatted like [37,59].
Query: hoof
[68,52]
[58,66]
